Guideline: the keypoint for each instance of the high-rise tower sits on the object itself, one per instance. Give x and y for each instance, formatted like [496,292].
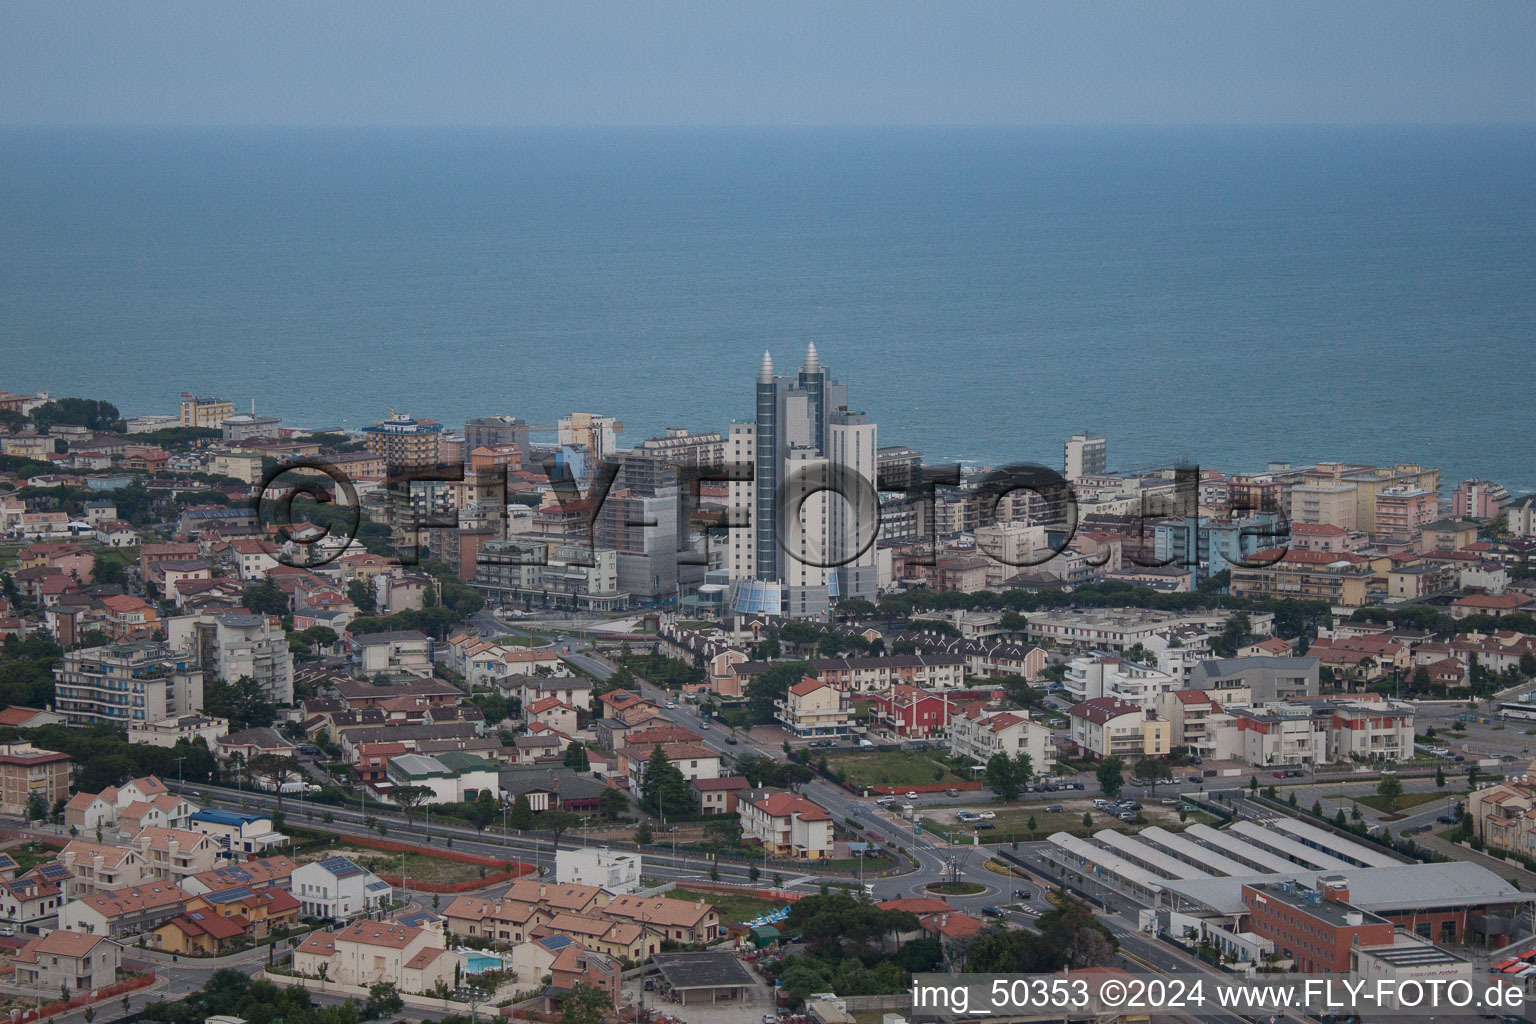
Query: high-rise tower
[801,432]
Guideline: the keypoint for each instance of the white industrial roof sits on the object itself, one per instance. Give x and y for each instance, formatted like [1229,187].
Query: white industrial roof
[1308,834]
[1149,855]
[1380,890]
[1305,856]
[1119,865]
[1194,853]
[1225,841]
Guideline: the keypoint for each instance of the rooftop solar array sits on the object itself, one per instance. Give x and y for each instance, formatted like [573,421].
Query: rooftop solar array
[341,867]
[234,895]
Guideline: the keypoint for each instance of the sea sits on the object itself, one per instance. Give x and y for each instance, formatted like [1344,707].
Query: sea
[1222,296]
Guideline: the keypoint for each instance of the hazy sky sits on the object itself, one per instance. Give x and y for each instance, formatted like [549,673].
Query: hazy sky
[771,61]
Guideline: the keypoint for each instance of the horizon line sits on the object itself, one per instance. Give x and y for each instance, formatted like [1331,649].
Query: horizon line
[735,125]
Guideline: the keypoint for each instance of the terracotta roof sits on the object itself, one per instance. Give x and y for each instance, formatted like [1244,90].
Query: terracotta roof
[1101,709]
[16,715]
[782,805]
[59,943]
[810,684]
[320,943]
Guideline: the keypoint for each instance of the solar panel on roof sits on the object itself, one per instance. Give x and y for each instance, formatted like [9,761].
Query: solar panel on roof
[377,886]
[228,895]
[341,867]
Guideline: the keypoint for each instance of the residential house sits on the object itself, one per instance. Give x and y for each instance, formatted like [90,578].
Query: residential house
[1108,725]
[576,965]
[815,708]
[787,824]
[98,867]
[237,833]
[402,650]
[123,912]
[910,713]
[722,795]
[366,953]
[336,888]
[979,732]
[66,961]
[173,853]
[256,875]
[681,921]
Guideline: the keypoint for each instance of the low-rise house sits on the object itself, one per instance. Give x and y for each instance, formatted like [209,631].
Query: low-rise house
[338,889]
[100,867]
[452,777]
[123,912]
[215,921]
[256,875]
[367,953]
[553,712]
[167,732]
[576,965]
[614,870]
[66,961]
[720,796]
[787,824]
[29,903]
[625,940]
[173,853]
[163,811]
[694,760]
[815,708]
[683,921]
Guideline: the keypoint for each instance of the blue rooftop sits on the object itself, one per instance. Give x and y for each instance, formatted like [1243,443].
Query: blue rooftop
[234,819]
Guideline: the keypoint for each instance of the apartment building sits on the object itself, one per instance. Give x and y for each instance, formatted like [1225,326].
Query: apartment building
[123,913]
[872,675]
[1117,630]
[27,771]
[1108,676]
[125,683]
[1105,726]
[1338,578]
[173,854]
[404,442]
[813,708]
[204,411]
[978,732]
[231,645]
[1402,512]
[910,713]
[367,953]
[402,650]
[787,824]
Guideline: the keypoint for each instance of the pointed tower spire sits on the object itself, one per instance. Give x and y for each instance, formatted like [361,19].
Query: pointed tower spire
[765,371]
[812,363]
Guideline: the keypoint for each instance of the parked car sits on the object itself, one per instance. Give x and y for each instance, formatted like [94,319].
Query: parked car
[988,815]
[983,825]
[1053,808]
[1127,816]
[966,816]
[911,794]
[1280,775]
[671,705]
[1196,760]
[1169,801]
[1076,785]
[1132,805]
[1100,804]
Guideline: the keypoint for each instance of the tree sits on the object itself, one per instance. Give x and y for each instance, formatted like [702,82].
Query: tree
[558,822]
[643,834]
[409,798]
[1253,785]
[585,1004]
[37,807]
[485,810]
[265,598]
[279,769]
[361,595]
[383,1000]
[663,789]
[1439,778]
[773,685]
[1111,775]
[576,756]
[1001,778]
[1472,772]
[1030,826]
[724,834]
[1390,789]
[611,803]
[1087,820]
[244,703]
[522,813]
[1528,664]
[1149,772]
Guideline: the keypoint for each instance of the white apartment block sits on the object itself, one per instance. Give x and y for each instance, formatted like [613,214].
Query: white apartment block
[978,733]
[126,683]
[787,824]
[1122,629]
[1105,676]
[613,870]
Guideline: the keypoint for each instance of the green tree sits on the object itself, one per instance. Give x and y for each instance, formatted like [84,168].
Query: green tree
[1030,826]
[1439,778]
[663,789]
[522,814]
[244,703]
[485,810]
[1001,777]
[278,770]
[1149,772]
[773,685]
[611,803]
[585,1004]
[558,822]
[361,595]
[576,756]
[265,598]
[37,807]
[382,1000]
[1087,820]
[1390,788]
[643,834]
[409,798]
[1472,772]
[1111,776]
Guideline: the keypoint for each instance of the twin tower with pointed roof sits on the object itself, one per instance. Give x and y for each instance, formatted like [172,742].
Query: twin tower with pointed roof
[802,432]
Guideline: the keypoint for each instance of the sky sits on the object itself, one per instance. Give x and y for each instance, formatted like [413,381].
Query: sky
[720,62]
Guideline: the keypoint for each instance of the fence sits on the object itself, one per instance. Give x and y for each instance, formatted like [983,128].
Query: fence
[94,996]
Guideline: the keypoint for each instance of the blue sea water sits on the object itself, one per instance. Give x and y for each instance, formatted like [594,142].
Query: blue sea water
[1225,295]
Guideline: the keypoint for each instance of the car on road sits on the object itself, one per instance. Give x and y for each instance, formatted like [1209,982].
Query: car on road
[732,740]
[769,1018]
[1197,779]
[1023,894]
[704,723]
[1447,819]
[911,794]
[990,911]
[671,705]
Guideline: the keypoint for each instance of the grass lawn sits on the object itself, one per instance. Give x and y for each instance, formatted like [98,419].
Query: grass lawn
[29,855]
[733,908]
[891,768]
[1404,802]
